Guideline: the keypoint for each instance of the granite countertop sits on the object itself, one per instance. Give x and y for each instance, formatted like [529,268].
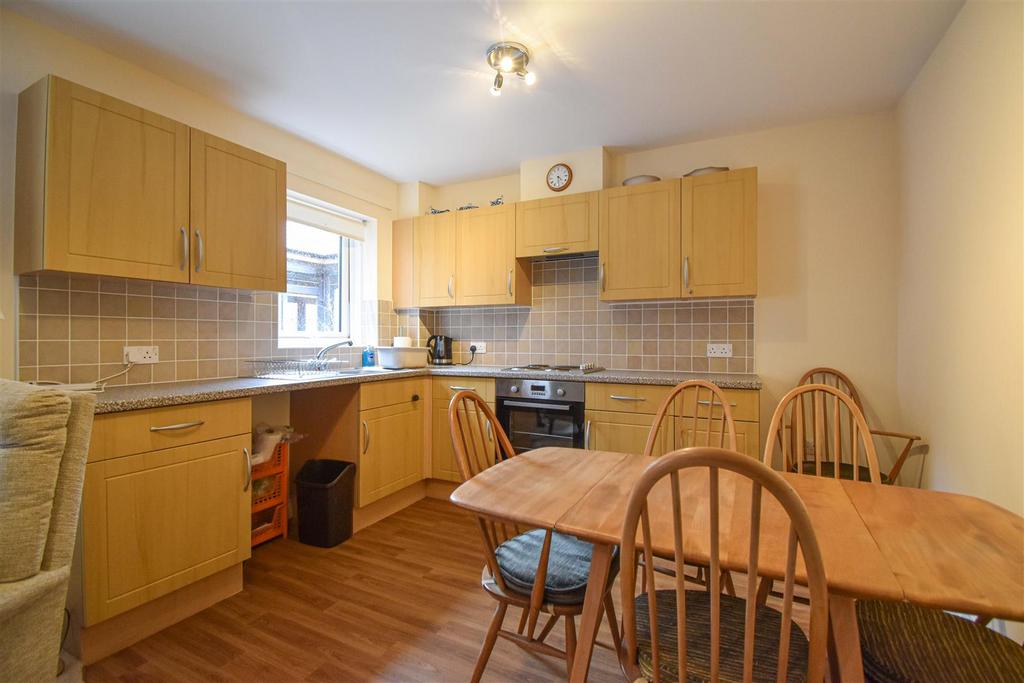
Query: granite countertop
[139,396]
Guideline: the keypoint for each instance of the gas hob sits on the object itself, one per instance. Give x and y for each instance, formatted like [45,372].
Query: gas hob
[585,368]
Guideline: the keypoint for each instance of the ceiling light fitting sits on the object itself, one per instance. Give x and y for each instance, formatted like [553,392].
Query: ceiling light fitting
[509,58]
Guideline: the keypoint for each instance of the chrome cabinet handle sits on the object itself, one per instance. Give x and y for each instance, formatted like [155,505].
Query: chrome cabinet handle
[626,398]
[451,286]
[181,425]
[554,250]
[200,251]
[248,469]
[510,282]
[366,437]
[686,272]
[586,437]
[458,388]
[716,403]
[184,248]
[600,276]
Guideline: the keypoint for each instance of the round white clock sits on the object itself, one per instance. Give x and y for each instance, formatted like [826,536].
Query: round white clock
[559,177]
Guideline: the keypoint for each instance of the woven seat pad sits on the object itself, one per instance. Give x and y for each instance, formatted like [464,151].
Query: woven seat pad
[845,471]
[698,640]
[568,565]
[904,643]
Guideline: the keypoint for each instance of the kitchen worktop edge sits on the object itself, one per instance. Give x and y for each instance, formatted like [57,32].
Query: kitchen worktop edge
[140,396]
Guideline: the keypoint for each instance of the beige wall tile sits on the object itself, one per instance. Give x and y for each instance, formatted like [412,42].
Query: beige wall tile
[113,328]
[54,302]
[54,327]
[84,352]
[140,307]
[28,353]
[53,352]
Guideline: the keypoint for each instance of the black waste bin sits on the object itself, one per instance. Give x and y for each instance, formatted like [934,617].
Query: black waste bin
[325,491]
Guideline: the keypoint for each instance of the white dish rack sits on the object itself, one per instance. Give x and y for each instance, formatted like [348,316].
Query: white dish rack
[275,368]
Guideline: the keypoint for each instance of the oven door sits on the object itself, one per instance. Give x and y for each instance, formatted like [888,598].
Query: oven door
[533,424]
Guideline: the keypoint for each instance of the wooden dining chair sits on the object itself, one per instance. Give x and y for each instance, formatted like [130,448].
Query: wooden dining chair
[841,381]
[687,635]
[707,423]
[819,429]
[538,570]
[705,419]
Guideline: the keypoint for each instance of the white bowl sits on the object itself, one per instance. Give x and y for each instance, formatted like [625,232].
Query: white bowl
[641,179]
[398,358]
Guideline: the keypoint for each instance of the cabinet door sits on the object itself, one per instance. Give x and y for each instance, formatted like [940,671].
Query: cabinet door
[747,435]
[487,271]
[117,187]
[391,452]
[238,216]
[403,259]
[157,521]
[434,238]
[557,225]
[639,242]
[719,234]
[442,453]
[625,432]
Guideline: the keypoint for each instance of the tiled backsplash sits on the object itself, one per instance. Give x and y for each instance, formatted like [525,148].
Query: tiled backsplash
[74,328]
[568,324]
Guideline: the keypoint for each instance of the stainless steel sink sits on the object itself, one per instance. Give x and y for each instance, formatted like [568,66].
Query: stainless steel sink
[308,369]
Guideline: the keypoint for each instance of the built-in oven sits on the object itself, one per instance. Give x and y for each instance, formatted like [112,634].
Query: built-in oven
[535,413]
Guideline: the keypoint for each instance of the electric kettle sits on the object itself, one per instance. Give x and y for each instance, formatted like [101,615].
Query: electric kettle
[440,348]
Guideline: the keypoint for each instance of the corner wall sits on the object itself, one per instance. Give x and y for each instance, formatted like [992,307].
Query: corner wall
[961,290]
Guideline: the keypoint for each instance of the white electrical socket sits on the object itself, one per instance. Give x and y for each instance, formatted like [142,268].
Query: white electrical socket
[719,351]
[481,347]
[142,355]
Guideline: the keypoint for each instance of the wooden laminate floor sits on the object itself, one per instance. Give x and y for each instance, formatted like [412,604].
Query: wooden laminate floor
[400,601]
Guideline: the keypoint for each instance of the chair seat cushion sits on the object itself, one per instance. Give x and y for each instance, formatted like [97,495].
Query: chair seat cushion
[904,643]
[767,624]
[845,471]
[568,565]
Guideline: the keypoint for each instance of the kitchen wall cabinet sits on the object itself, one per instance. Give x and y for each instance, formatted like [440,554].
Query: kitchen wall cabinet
[238,216]
[403,260]
[719,234]
[434,238]
[557,225]
[391,422]
[156,521]
[639,242]
[487,272]
[107,188]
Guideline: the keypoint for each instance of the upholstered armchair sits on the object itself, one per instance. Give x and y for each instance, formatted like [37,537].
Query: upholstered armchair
[44,439]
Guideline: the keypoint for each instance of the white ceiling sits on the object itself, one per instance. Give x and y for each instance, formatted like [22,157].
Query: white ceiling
[402,87]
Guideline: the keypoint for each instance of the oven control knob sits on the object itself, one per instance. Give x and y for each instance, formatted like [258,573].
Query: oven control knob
[560,392]
[514,389]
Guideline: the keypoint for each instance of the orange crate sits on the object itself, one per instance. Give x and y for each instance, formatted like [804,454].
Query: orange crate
[270,508]
[268,493]
[269,523]
[278,463]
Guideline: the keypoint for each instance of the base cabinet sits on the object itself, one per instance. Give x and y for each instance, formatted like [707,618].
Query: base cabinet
[625,432]
[157,521]
[391,430]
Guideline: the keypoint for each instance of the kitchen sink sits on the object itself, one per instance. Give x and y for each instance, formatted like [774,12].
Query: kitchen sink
[308,369]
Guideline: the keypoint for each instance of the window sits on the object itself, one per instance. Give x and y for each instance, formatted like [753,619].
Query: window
[324,264]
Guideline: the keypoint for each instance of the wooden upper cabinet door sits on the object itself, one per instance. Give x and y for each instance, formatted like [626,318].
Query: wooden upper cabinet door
[639,242]
[486,268]
[558,225]
[403,258]
[238,216]
[116,196]
[434,238]
[719,234]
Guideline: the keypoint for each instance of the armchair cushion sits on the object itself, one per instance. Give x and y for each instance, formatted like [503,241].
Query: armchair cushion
[33,433]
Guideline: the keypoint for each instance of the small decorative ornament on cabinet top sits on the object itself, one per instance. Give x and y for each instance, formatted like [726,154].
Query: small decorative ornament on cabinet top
[559,177]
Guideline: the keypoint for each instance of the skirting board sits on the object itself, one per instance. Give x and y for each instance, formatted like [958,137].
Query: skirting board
[117,633]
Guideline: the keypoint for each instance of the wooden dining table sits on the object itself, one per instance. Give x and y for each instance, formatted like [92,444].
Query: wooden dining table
[931,548]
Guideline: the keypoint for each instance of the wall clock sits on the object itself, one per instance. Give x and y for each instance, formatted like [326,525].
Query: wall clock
[559,177]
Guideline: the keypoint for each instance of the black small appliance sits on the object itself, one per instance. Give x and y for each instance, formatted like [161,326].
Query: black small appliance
[440,348]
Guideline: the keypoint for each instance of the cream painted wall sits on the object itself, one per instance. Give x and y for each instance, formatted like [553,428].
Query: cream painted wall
[827,263]
[479,192]
[590,171]
[28,51]
[961,294]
